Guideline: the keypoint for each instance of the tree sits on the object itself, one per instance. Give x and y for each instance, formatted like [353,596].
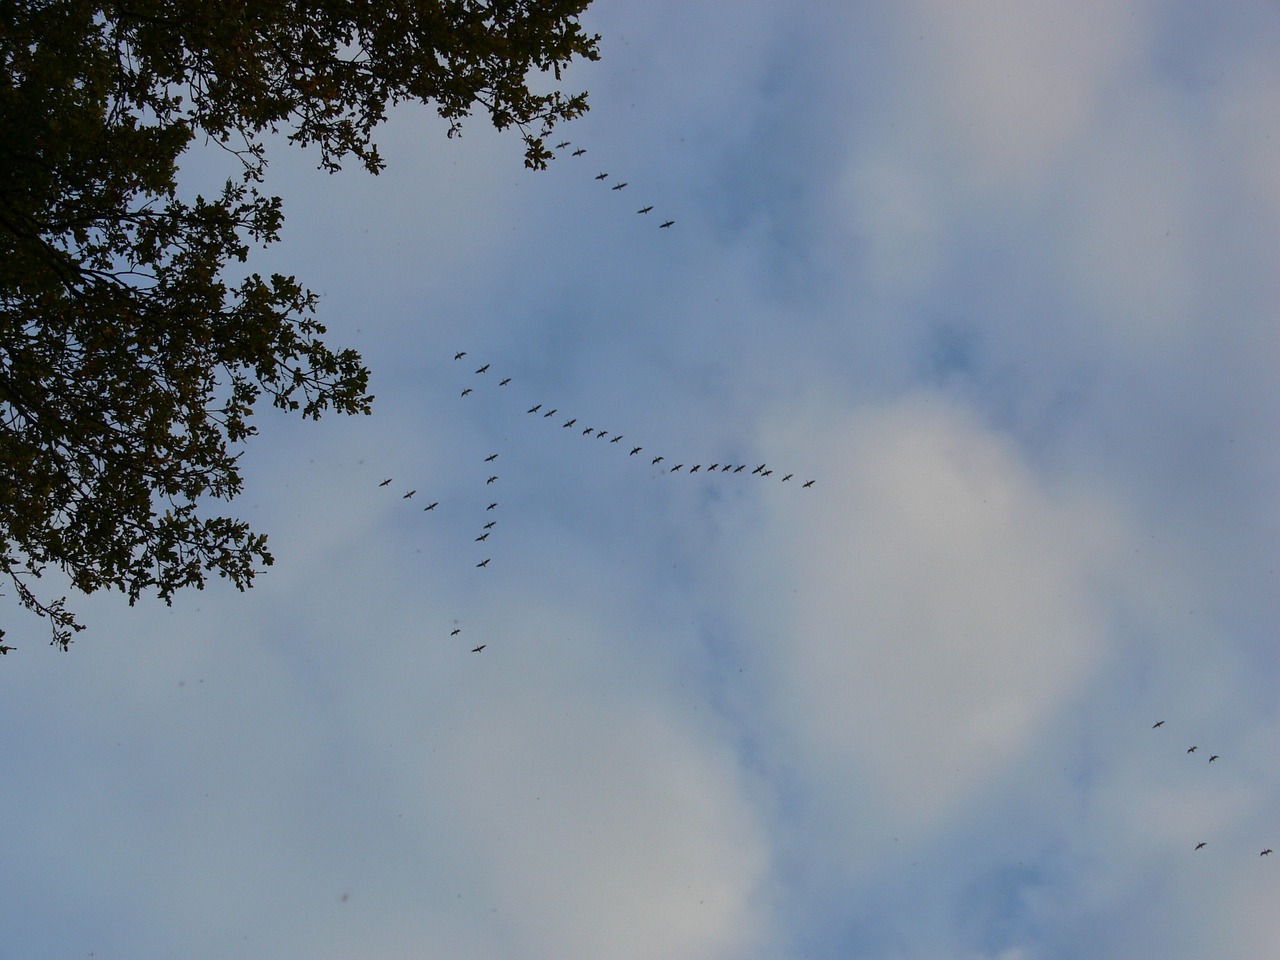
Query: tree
[131,361]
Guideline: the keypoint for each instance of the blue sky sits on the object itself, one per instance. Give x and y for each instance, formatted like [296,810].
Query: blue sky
[999,277]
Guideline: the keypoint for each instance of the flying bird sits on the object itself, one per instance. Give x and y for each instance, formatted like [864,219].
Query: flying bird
[656,460]
[766,473]
[460,354]
[618,186]
[602,433]
[491,524]
[484,369]
[580,151]
[490,480]
[757,469]
[713,466]
[466,391]
[535,408]
[588,430]
[695,468]
[1191,749]
[1201,844]
[491,506]
[562,144]
[739,469]
[431,506]
[616,438]
[787,477]
[456,631]
[1265,853]
[482,538]
[634,451]
[550,413]
[1213,758]
[409,494]
[663,226]
[809,483]
[644,209]
[601,176]
[385,482]
[479,648]
[484,562]
[726,468]
[676,467]
[570,423]
[1158,723]
[490,458]
[503,383]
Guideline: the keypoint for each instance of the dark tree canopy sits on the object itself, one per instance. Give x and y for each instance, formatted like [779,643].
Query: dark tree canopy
[130,361]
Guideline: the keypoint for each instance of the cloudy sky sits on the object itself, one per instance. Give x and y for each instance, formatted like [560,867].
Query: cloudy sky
[998,277]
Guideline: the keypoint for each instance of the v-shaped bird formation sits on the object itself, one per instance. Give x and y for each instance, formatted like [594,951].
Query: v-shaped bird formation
[653,463]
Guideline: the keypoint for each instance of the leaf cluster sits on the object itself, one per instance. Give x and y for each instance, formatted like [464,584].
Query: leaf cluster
[130,362]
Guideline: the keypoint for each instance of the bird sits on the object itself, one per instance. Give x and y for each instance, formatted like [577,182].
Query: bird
[602,176]
[644,209]
[676,467]
[5,648]
[562,144]
[616,438]
[456,631]
[550,413]
[766,473]
[484,562]
[466,391]
[490,480]
[602,433]
[503,383]
[656,460]
[490,458]
[739,469]
[484,369]
[409,494]
[713,466]
[460,354]
[431,506]
[757,469]
[1191,749]
[634,451]
[588,430]
[570,423]
[385,482]
[726,468]
[482,538]
[1201,844]
[491,524]
[695,468]
[535,408]
[809,483]
[663,226]
[1158,723]
[1213,758]
[1266,852]
[491,506]
[580,151]
[479,648]
[787,477]
[618,186]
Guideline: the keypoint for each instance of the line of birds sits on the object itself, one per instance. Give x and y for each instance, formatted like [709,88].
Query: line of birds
[1212,758]
[622,185]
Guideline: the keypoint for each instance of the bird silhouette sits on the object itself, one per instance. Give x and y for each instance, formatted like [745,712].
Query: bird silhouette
[676,467]
[466,391]
[479,648]
[490,458]
[409,494]
[484,562]
[634,451]
[656,460]
[1201,844]
[644,209]
[602,433]
[588,430]
[1191,749]
[503,383]
[809,483]
[695,468]
[726,468]
[739,469]
[535,408]
[550,413]
[385,482]
[562,144]
[1213,758]
[757,469]
[580,151]
[460,354]
[491,524]
[616,438]
[601,176]
[1158,723]
[431,506]
[1265,853]
[570,423]
[490,480]
[663,226]
[491,506]
[618,186]
[456,631]
[787,477]
[484,369]
[766,473]
[482,538]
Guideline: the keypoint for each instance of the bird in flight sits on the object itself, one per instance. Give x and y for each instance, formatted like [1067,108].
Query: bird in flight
[479,648]
[644,209]
[726,468]
[482,538]
[580,151]
[739,469]
[809,483]
[757,469]
[601,176]
[618,186]
[431,506]
[562,144]
[466,391]
[616,438]
[656,460]
[409,494]
[490,480]
[1201,844]
[588,430]
[491,524]
[663,226]
[503,383]
[484,562]
[484,369]
[1213,758]
[550,413]
[385,482]
[535,408]
[634,451]
[602,433]
[1158,723]
[1265,853]
[491,506]
[695,468]
[490,458]
[460,354]
[1191,749]
[676,467]
[456,631]
[787,477]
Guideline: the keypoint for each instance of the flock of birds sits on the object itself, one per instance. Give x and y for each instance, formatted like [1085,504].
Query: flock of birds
[1213,757]
[620,185]
[763,470]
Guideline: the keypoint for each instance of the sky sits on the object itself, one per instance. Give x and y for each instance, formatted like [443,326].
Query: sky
[998,277]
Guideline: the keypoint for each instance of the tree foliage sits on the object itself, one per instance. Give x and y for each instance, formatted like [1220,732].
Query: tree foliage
[133,348]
